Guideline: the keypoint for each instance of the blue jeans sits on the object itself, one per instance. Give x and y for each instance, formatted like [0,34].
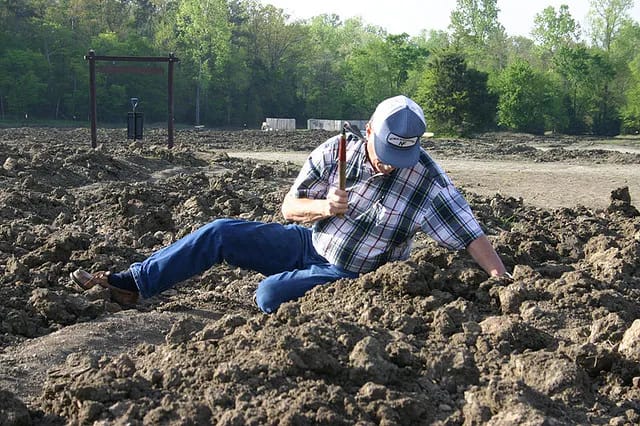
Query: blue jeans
[284,253]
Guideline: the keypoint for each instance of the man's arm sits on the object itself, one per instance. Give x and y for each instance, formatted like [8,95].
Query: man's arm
[485,255]
[308,210]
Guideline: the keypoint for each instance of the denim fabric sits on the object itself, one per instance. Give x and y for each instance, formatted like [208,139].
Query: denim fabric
[282,252]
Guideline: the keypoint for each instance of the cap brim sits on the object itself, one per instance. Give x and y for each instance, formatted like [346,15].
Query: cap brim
[400,158]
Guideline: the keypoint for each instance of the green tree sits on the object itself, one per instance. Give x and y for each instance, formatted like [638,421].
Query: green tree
[455,98]
[21,85]
[522,48]
[324,72]
[381,68]
[430,42]
[606,18]
[553,30]
[242,60]
[433,40]
[16,21]
[477,32]
[274,53]
[631,110]
[67,69]
[625,46]
[627,43]
[203,36]
[524,100]
[585,73]
[474,21]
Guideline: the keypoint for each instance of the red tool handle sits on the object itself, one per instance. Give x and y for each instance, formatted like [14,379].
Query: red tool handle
[342,159]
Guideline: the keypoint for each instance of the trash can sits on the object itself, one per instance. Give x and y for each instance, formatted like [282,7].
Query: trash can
[134,125]
[134,122]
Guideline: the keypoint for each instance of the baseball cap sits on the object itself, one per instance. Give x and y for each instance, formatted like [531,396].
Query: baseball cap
[397,125]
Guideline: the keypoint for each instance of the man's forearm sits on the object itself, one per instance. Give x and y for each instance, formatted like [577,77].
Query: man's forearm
[485,255]
[310,210]
[304,210]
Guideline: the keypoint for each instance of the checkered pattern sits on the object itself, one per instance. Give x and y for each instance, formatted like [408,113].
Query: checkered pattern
[384,212]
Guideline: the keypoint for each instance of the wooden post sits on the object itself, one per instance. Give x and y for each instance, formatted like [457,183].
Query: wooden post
[170,123]
[91,57]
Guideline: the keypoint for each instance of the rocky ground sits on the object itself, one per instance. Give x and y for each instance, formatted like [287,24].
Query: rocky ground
[431,340]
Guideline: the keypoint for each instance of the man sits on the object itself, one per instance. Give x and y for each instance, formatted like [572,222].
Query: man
[394,189]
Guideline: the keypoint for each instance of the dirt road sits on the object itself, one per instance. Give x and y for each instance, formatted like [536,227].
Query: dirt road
[547,185]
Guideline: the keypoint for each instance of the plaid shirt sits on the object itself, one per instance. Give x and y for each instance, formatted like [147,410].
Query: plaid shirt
[385,212]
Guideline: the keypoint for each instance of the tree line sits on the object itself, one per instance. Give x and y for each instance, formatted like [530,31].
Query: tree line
[242,61]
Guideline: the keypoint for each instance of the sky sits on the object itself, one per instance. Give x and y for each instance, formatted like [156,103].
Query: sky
[412,16]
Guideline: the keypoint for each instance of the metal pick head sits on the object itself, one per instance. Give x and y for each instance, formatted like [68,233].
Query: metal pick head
[352,128]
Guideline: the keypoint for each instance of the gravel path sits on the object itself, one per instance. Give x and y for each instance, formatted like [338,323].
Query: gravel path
[547,185]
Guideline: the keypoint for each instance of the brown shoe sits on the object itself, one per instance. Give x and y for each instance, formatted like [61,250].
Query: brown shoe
[86,280]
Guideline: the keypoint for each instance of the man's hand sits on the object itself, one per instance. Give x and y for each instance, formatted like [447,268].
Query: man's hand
[485,255]
[337,200]
[308,210]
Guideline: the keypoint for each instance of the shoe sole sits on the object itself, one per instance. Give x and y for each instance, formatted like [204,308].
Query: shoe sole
[123,297]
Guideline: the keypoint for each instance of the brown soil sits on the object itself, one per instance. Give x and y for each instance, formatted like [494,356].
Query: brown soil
[431,340]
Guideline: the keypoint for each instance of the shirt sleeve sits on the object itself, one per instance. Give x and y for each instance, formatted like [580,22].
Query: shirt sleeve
[313,179]
[450,221]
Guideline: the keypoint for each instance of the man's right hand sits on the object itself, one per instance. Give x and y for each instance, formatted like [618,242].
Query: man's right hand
[308,210]
[337,202]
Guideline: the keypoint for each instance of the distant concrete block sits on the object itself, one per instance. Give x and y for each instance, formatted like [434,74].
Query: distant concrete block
[333,125]
[317,124]
[280,124]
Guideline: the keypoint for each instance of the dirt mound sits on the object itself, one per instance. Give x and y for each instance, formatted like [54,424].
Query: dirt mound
[432,340]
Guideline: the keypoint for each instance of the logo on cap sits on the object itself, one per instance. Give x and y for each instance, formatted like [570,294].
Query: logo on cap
[401,142]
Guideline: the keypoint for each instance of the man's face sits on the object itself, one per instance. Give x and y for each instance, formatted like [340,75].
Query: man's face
[378,165]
